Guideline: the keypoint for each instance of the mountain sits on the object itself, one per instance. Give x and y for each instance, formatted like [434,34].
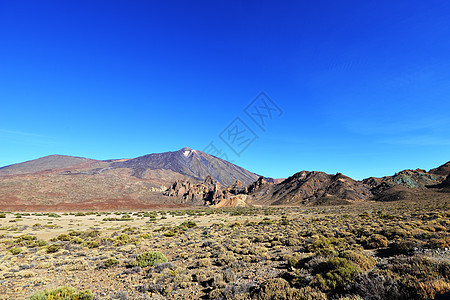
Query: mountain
[192,163]
[74,182]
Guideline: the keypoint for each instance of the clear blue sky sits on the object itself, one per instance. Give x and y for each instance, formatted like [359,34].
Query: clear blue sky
[364,87]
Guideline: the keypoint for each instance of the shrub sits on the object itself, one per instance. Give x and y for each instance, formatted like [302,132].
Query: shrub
[377,286]
[91,244]
[225,258]
[62,293]
[361,260]
[327,246]
[53,215]
[170,233]
[423,277]
[123,239]
[375,241]
[338,272]
[2,215]
[38,243]
[110,262]
[15,251]
[188,224]
[64,237]
[149,259]
[279,288]
[53,248]
[406,245]
[24,240]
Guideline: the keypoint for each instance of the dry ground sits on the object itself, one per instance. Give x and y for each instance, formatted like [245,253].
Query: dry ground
[400,249]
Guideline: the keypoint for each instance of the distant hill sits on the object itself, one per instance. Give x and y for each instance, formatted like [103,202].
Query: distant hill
[47,163]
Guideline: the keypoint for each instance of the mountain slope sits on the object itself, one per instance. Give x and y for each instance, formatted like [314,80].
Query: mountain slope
[442,170]
[193,163]
[46,163]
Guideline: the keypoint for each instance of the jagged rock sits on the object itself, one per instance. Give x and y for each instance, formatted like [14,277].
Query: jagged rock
[209,192]
[258,184]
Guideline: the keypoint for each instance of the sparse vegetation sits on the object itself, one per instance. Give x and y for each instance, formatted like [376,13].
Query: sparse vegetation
[339,252]
[63,293]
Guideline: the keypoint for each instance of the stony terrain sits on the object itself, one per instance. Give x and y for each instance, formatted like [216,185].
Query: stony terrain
[399,250]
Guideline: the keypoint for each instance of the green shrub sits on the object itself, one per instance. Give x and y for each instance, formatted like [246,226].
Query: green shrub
[110,262]
[64,237]
[123,239]
[327,246]
[405,245]
[374,241]
[361,260]
[2,215]
[24,240]
[38,243]
[91,244]
[188,224]
[279,288]
[15,251]
[339,272]
[149,259]
[53,215]
[53,248]
[62,293]
[76,240]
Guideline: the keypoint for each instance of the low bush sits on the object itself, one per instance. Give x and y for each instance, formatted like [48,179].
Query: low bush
[15,251]
[149,259]
[374,241]
[53,248]
[62,293]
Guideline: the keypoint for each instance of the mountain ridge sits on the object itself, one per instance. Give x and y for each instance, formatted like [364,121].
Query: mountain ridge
[192,177]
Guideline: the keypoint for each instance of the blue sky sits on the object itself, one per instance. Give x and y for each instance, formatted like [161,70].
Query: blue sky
[363,87]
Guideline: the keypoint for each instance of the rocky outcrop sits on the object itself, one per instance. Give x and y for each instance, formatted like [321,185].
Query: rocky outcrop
[208,192]
[414,179]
